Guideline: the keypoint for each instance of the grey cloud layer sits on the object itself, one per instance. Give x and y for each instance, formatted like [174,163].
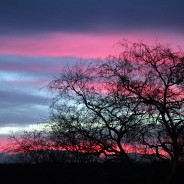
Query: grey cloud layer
[18,107]
[37,65]
[22,16]
[23,97]
[16,98]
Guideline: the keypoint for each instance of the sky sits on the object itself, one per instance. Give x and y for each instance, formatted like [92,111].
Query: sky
[38,38]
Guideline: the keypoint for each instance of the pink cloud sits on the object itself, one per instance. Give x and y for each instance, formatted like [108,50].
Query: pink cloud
[59,45]
[79,45]
[3,142]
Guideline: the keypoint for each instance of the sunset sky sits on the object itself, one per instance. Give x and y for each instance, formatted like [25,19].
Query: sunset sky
[39,37]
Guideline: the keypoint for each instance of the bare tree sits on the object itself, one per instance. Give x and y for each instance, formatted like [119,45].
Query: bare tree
[136,96]
[30,146]
[155,76]
[93,114]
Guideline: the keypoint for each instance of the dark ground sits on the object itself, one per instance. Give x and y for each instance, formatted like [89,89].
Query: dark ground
[88,173]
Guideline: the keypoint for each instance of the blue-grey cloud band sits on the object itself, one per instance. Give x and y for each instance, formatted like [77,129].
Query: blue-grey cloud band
[24,17]
[24,98]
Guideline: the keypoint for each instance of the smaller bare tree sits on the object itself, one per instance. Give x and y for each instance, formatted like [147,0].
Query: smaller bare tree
[31,146]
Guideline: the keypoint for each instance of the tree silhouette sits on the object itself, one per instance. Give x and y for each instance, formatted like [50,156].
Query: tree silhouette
[137,96]
[93,114]
[30,146]
[155,76]
[114,109]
